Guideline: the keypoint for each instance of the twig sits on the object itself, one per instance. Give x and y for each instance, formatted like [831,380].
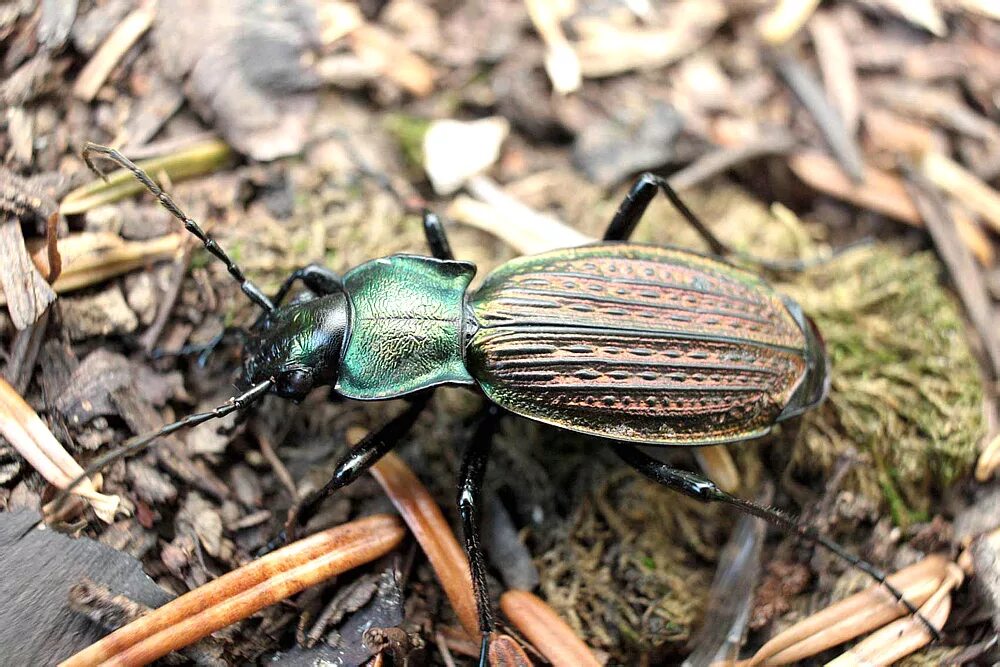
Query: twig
[837,64]
[152,334]
[855,615]
[267,449]
[723,159]
[901,638]
[810,93]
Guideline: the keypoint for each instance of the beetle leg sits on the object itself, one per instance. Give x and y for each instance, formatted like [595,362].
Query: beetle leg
[700,488]
[354,463]
[319,279]
[634,205]
[637,200]
[249,288]
[470,487]
[437,238]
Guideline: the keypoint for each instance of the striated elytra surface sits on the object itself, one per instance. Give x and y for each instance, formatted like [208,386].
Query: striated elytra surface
[642,343]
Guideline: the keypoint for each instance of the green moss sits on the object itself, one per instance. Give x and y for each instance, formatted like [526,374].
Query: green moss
[409,132]
[906,390]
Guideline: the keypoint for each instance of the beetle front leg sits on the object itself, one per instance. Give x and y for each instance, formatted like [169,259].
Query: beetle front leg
[319,279]
[354,463]
[470,487]
[700,488]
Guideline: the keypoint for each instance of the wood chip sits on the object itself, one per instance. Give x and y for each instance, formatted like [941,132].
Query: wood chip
[604,49]
[561,62]
[880,191]
[89,258]
[26,292]
[989,460]
[963,185]
[384,51]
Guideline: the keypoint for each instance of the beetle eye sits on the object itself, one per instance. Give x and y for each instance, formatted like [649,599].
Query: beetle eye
[295,384]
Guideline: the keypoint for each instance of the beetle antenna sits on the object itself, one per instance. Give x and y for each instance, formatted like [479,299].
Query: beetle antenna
[249,288]
[140,442]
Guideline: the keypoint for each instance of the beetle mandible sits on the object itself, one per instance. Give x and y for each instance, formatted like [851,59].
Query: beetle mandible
[632,343]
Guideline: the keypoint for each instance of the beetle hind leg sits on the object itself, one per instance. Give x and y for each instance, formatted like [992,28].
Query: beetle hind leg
[632,208]
[470,487]
[700,488]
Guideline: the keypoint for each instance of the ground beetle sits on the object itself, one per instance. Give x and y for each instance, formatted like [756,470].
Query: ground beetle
[631,343]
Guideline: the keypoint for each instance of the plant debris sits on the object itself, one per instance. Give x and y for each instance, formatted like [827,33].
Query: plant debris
[794,129]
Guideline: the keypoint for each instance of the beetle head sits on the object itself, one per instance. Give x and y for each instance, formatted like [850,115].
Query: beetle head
[298,345]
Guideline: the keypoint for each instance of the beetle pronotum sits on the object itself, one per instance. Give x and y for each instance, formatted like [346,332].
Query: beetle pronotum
[631,343]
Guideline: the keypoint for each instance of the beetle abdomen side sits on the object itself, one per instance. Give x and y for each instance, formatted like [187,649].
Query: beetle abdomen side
[637,343]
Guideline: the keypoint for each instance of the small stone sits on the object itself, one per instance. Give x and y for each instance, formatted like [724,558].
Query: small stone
[455,151]
[102,314]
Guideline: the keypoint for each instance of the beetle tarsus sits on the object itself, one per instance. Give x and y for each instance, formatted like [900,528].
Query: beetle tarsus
[484,651]
[703,489]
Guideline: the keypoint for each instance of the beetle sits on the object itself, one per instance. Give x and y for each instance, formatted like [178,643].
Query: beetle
[631,343]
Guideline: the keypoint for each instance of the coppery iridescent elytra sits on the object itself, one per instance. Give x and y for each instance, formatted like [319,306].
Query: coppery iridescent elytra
[631,343]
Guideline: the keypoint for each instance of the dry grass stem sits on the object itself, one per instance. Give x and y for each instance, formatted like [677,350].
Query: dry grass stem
[122,38]
[244,591]
[26,432]
[89,258]
[546,630]
[856,615]
[901,638]
[428,525]
[194,160]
